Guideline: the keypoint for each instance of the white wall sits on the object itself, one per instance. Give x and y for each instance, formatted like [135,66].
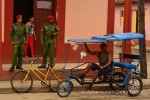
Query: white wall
[85,18]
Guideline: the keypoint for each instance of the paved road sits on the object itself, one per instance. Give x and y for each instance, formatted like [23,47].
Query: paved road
[145,95]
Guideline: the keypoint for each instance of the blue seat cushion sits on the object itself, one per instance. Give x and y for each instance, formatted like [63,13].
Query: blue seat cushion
[124,65]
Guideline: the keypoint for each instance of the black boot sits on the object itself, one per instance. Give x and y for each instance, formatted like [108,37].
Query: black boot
[19,67]
[11,68]
[51,65]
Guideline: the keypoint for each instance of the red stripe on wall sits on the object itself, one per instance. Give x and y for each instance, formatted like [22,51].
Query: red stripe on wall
[0,36]
[127,24]
[7,47]
[110,21]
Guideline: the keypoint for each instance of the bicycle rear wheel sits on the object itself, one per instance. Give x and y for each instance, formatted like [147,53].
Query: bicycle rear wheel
[19,84]
[53,81]
[118,84]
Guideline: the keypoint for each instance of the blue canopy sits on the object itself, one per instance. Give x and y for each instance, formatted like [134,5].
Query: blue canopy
[86,41]
[119,36]
[110,37]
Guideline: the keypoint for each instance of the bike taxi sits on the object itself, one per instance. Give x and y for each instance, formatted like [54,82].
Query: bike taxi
[128,76]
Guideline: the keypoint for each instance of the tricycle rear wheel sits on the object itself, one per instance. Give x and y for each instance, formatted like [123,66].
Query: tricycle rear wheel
[117,81]
[134,86]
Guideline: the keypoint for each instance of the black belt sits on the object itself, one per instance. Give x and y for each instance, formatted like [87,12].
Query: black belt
[50,37]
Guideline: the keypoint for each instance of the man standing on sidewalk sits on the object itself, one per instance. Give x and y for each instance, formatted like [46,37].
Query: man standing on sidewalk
[49,32]
[18,36]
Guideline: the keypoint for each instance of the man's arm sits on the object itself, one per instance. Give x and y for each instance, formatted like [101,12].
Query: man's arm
[11,34]
[42,33]
[26,34]
[89,51]
[57,31]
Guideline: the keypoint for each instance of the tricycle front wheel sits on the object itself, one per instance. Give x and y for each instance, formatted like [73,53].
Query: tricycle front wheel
[64,88]
[134,86]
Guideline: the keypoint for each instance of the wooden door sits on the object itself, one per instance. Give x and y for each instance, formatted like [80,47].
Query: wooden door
[42,8]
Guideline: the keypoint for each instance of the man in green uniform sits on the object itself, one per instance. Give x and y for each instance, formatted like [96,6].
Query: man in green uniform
[48,33]
[18,36]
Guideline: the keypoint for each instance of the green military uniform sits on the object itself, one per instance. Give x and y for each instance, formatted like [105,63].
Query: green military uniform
[18,35]
[49,41]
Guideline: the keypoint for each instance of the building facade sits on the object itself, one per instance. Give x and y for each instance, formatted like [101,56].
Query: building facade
[75,19]
[119,18]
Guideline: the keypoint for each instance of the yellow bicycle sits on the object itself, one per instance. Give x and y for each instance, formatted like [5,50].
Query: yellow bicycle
[22,81]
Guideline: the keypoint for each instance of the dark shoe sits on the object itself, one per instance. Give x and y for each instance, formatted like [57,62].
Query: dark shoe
[18,67]
[41,66]
[51,65]
[11,68]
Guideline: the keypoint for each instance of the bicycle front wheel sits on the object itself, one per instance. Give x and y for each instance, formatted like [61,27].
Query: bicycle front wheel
[64,88]
[21,82]
[54,80]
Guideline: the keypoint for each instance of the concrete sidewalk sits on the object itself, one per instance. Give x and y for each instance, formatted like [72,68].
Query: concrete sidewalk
[5,87]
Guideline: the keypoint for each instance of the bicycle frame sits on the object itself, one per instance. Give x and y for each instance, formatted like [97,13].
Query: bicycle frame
[33,69]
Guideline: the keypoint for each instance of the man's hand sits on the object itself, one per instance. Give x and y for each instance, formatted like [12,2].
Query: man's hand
[12,43]
[85,45]
[101,67]
[54,34]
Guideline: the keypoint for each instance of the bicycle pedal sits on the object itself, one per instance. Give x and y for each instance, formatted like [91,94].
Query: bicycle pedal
[43,83]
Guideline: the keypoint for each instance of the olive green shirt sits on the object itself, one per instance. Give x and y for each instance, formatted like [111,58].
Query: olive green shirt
[47,33]
[18,34]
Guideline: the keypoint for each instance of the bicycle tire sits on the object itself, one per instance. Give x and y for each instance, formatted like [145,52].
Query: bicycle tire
[21,86]
[117,76]
[53,81]
[64,87]
[132,85]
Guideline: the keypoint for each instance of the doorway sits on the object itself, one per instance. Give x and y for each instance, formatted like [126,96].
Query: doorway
[24,8]
[40,9]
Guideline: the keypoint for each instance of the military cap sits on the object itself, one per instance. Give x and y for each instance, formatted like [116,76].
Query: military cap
[18,16]
[50,17]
